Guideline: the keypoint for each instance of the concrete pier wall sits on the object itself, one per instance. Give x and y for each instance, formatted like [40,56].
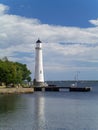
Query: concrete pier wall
[16,90]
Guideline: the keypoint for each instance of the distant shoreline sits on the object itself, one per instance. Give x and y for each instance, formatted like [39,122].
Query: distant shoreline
[72,80]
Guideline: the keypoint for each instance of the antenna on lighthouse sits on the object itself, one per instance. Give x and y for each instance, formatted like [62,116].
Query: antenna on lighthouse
[39,74]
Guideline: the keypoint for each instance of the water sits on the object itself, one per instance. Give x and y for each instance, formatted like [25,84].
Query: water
[50,110]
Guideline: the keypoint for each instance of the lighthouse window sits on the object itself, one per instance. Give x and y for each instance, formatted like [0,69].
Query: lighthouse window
[40,71]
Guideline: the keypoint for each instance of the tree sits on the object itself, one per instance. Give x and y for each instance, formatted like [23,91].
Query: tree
[24,71]
[13,72]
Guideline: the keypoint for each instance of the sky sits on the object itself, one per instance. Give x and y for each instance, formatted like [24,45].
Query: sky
[68,30]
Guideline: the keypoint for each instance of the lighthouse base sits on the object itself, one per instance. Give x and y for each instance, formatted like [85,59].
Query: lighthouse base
[39,84]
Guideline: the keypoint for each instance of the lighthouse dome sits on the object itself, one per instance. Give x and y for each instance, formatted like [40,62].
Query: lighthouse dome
[38,41]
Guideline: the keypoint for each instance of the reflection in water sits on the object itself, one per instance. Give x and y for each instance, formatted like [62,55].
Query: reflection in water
[8,103]
[40,111]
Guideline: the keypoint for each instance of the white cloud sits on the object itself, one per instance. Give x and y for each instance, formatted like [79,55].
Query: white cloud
[94,22]
[18,34]
[3,9]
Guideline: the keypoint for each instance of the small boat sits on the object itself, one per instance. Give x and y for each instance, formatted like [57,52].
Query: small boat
[74,87]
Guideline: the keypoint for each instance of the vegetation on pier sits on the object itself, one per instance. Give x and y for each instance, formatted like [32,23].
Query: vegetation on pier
[13,72]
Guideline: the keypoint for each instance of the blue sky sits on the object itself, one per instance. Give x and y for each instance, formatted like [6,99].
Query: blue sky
[67,28]
[56,12]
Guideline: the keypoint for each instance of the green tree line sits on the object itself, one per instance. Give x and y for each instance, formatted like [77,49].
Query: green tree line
[13,72]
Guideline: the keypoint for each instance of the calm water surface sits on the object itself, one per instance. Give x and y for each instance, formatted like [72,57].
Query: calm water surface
[50,111]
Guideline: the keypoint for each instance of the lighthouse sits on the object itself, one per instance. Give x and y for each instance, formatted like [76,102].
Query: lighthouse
[39,74]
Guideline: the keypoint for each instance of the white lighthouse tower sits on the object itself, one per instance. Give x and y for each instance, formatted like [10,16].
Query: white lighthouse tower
[39,75]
